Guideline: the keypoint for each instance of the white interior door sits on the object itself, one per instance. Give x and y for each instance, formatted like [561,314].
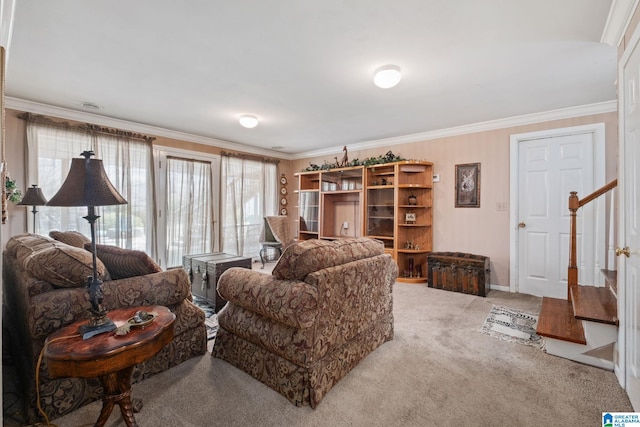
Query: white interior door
[550,165]
[629,237]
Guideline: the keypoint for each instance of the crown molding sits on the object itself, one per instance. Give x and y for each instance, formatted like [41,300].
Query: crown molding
[564,113]
[81,116]
[620,15]
[68,114]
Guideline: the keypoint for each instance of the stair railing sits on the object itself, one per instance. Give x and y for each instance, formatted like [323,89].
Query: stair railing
[574,204]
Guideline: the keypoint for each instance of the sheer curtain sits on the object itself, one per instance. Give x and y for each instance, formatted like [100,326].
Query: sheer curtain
[249,193]
[189,214]
[128,163]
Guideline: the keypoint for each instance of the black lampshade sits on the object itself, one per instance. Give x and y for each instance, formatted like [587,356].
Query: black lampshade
[33,197]
[87,185]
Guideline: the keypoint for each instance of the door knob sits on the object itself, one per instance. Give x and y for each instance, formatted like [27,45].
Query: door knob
[624,251]
[522,225]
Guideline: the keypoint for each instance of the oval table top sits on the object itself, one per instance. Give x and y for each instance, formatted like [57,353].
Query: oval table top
[68,355]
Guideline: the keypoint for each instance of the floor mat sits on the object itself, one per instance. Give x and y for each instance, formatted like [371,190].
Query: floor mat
[513,325]
[211,319]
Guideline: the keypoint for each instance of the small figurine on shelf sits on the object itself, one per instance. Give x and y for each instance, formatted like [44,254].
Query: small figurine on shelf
[410,266]
[413,200]
[345,158]
[410,218]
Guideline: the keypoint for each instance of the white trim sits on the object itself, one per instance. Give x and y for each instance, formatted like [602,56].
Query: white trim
[160,154]
[623,315]
[499,288]
[513,214]
[68,114]
[598,129]
[620,15]
[527,119]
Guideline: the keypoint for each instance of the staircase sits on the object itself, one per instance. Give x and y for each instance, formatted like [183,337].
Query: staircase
[583,327]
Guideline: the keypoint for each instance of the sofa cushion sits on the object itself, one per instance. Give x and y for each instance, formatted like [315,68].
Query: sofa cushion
[72,238]
[62,265]
[307,256]
[123,263]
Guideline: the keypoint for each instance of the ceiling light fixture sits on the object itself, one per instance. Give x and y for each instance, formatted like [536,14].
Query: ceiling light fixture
[387,76]
[248,121]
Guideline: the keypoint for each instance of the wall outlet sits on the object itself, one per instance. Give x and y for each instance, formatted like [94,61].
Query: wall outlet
[436,177]
[345,225]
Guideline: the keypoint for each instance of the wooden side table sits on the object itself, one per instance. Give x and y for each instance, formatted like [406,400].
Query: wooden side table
[109,357]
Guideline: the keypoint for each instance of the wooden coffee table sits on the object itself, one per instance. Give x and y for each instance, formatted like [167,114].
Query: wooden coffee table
[109,357]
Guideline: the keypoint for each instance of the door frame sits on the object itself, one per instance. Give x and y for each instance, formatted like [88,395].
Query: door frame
[599,173]
[160,154]
[620,365]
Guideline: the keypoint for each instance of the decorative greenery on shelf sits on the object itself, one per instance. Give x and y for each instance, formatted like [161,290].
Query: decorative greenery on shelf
[389,157]
[13,194]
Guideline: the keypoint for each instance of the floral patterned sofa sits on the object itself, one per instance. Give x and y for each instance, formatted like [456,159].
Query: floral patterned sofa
[325,307]
[44,289]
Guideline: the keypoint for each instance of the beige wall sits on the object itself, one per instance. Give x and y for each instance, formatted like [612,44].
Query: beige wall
[16,147]
[484,230]
[16,155]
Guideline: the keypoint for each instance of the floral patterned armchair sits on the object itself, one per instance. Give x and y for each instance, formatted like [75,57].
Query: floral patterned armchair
[325,307]
[44,290]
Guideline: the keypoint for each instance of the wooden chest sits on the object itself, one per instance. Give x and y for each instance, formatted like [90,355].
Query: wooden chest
[205,270]
[459,272]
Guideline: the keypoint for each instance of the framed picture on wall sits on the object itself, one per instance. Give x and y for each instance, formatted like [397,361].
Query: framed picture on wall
[468,185]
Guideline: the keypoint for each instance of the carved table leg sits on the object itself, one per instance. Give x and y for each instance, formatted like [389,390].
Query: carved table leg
[117,390]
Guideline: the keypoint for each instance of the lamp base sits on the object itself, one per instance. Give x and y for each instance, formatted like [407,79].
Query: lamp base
[91,330]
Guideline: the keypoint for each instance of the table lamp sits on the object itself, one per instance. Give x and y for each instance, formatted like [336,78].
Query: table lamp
[33,197]
[88,185]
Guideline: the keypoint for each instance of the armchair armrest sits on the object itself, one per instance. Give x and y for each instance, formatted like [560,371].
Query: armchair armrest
[163,288]
[290,302]
[52,310]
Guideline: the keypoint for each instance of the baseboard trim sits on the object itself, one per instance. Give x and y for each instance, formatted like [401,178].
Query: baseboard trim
[500,288]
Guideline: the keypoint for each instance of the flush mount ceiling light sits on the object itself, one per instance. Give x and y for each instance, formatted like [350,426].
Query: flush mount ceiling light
[248,121]
[387,76]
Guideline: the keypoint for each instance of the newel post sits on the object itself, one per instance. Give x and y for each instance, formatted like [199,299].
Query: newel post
[572,276]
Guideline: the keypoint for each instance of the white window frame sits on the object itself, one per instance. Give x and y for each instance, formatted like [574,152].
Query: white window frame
[160,162]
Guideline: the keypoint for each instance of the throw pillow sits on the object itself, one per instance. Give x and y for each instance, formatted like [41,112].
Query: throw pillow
[62,265]
[23,245]
[73,238]
[123,263]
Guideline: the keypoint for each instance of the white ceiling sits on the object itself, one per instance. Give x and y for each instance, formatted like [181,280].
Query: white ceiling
[305,67]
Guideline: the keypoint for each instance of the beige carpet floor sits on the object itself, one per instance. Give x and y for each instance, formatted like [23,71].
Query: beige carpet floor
[438,371]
